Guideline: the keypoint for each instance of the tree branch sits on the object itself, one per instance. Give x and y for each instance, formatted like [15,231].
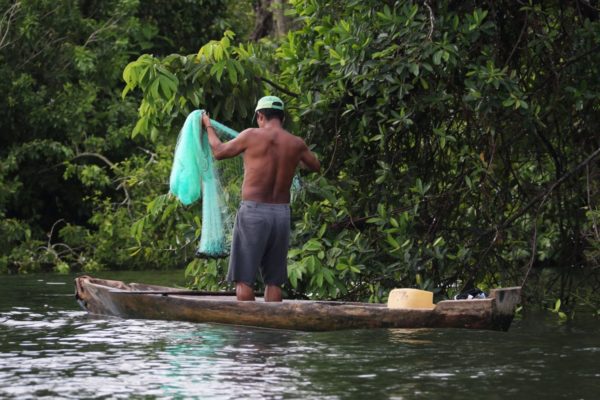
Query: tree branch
[8,18]
[431,19]
[565,64]
[52,232]
[590,206]
[96,155]
[533,251]
[280,88]
[519,39]
[543,196]
[507,222]
[110,23]
[112,166]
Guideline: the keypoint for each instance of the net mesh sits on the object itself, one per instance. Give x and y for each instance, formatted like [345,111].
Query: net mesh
[196,174]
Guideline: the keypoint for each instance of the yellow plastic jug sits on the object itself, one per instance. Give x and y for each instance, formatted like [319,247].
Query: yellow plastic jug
[410,298]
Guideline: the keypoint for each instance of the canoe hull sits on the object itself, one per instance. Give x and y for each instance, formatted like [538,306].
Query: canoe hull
[113,298]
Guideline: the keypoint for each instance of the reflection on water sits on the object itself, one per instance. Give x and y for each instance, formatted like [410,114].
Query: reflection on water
[50,348]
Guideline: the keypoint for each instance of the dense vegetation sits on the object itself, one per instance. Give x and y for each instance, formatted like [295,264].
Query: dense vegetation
[459,139]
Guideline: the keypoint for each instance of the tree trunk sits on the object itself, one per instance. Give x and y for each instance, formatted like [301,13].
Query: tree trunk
[264,20]
[280,18]
[270,19]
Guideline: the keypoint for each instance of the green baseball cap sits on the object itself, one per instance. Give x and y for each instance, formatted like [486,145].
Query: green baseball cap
[272,102]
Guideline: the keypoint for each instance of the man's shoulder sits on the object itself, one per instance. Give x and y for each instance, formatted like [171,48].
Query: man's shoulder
[292,138]
[249,131]
[268,135]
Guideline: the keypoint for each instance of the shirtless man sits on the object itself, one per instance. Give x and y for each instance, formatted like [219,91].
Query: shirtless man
[262,228]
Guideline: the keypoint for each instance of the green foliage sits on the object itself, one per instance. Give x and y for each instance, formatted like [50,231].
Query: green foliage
[184,26]
[450,124]
[562,317]
[72,180]
[220,75]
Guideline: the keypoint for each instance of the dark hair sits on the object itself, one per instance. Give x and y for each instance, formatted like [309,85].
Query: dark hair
[271,113]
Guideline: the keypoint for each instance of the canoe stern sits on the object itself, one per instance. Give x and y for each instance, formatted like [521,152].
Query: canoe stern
[506,301]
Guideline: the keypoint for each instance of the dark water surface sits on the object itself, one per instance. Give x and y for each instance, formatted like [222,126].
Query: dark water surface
[51,349]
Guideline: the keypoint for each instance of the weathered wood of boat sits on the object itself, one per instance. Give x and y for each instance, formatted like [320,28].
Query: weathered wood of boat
[107,297]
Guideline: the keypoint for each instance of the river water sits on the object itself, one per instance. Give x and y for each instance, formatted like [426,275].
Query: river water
[49,348]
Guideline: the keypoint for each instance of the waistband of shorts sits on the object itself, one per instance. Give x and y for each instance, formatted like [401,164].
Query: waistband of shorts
[266,206]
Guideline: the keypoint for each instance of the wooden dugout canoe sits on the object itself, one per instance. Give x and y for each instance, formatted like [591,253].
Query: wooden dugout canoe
[115,298]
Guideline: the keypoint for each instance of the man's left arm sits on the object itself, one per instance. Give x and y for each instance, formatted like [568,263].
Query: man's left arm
[222,150]
[309,160]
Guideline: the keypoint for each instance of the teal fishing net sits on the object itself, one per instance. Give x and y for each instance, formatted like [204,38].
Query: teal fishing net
[196,174]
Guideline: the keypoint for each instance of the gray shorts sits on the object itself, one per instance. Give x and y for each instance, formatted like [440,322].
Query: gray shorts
[261,237]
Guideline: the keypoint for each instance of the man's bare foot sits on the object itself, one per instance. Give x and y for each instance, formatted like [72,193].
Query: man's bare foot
[244,292]
[272,293]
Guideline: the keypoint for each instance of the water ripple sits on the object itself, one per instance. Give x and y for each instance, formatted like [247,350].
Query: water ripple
[48,349]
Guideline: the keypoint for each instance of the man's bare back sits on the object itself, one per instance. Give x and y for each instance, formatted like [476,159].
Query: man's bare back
[270,161]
